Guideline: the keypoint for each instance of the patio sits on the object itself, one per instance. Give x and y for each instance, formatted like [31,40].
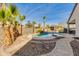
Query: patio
[62,48]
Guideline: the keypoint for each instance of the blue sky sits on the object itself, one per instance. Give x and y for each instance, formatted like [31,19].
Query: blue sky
[55,13]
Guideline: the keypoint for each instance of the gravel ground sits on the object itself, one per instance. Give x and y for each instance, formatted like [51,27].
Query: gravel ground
[36,48]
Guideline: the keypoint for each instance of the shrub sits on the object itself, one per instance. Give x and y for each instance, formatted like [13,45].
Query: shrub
[39,30]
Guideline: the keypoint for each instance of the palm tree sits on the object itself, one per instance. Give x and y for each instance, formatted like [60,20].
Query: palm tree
[4,17]
[34,22]
[8,15]
[13,14]
[29,24]
[44,20]
[21,19]
[39,25]
[48,27]
[16,29]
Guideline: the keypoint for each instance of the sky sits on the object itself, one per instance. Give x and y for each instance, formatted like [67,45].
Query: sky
[55,13]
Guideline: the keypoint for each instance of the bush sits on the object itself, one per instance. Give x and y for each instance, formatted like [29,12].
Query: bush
[39,30]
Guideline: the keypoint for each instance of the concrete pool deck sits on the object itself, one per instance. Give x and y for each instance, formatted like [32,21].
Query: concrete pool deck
[62,47]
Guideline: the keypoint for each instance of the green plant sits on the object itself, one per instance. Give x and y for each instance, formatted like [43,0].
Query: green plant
[21,19]
[44,21]
[8,17]
[34,22]
[39,30]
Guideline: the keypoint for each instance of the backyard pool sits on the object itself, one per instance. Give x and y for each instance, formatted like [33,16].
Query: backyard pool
[42,35]
[46,36]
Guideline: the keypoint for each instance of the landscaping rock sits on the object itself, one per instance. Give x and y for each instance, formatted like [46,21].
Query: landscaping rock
[36,48]
[75,47]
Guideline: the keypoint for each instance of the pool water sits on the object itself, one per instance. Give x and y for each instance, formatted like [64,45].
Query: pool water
[46,35]
[42,35]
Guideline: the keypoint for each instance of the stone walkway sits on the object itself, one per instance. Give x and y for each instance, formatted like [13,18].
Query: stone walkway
[62,48]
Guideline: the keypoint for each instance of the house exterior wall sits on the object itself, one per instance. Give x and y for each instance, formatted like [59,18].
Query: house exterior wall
[72,26]
[75,16]
[77,26]
[77,21]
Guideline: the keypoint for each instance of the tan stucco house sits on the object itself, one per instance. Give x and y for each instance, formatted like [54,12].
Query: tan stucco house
[73,21]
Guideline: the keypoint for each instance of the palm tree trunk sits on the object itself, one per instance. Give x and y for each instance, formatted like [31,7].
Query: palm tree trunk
[44,27]
[8,39]
[33,28]
[12,32]
[21,29]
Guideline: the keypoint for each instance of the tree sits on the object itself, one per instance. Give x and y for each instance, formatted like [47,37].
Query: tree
[48,27]
[8,18]
[29,24]
[3,15]
[4,18]
[13,14]
[44,20]
[21,19]
[34,22]
[39,25]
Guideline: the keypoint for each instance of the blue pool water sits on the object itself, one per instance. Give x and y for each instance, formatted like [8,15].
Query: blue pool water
[43,35]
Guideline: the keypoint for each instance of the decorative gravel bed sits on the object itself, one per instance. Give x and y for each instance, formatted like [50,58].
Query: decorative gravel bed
[37,47]
[75,47]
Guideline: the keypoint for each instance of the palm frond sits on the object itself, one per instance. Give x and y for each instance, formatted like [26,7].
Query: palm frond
[13,10]
[44,17]
[21,18]
[34,22]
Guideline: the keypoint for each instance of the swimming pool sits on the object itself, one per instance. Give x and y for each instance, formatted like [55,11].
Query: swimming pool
[46,36]
[43,36]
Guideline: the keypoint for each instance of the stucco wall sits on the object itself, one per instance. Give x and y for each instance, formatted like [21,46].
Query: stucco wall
[77,26]
[75,16]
